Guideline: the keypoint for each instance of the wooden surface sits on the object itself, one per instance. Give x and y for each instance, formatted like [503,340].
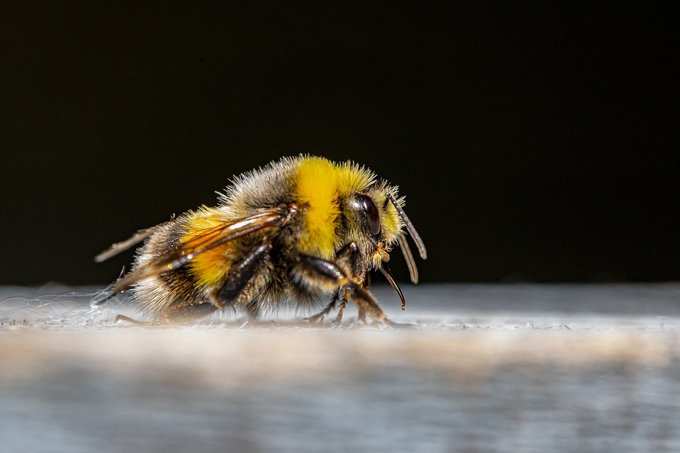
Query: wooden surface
[477,368]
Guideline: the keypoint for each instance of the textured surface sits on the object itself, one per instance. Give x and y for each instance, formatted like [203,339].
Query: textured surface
[479,368]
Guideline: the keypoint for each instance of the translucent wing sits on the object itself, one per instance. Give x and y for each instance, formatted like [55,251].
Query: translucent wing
[203,242]
[120,247]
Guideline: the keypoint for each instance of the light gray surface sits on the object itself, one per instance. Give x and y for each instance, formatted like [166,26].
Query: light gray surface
[481,368]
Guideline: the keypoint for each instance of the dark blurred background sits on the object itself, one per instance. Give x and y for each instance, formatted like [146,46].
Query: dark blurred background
[533,144]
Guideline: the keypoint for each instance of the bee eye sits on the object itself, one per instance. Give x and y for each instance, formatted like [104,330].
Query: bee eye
[364,204]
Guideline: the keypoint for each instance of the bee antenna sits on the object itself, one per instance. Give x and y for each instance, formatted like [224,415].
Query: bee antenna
[410,228]
[408,257]
[393,283]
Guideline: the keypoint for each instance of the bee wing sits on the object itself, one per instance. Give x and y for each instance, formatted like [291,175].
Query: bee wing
[203,242]
[121,246]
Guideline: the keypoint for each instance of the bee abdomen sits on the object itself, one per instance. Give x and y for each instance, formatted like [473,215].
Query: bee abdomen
[175,287]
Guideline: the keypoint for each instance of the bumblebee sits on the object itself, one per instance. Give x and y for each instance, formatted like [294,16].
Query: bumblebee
[298,230]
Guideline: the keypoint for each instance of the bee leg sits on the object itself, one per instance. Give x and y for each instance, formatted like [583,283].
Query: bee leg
[361,315]
[134,321]
[368,305]
[341,313]
[219,297]
[321,274]
[237,279]
[342,306]
[187,313]
[330,307]
[344,259]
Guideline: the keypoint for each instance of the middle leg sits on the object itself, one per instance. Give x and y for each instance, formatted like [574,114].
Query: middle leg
[322,314]
[238,287]
[242,284]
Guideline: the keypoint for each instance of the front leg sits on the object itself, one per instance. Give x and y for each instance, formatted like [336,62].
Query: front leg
[344,259]
[322,275]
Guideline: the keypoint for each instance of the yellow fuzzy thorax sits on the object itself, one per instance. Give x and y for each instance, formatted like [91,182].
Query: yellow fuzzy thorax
[319,184]
[210,267]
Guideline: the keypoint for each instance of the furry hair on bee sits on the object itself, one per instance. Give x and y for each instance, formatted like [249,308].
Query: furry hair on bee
[299,229]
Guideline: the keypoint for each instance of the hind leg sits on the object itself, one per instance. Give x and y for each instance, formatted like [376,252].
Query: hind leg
[187,313]
[134,321]
[174,314]
[239,285]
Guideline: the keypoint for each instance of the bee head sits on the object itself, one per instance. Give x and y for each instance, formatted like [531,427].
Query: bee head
[376,219]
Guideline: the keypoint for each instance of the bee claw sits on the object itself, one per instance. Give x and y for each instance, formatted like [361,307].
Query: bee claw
[315,319]
[123,318]
[397,325]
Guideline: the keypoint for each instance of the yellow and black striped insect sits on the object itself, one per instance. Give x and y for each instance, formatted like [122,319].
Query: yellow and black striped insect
[296,230]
